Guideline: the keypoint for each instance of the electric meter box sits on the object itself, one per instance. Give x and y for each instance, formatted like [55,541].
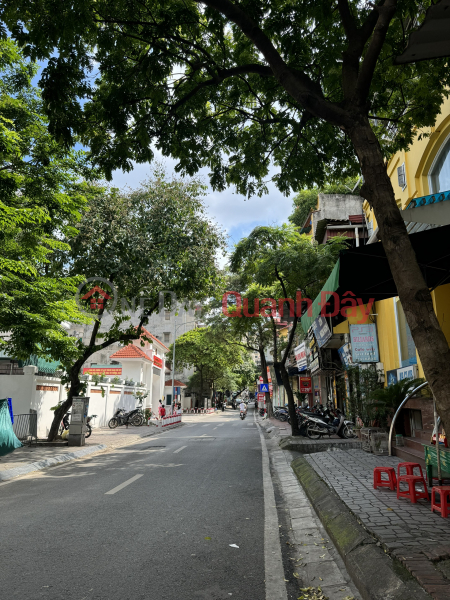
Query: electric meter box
[77,429]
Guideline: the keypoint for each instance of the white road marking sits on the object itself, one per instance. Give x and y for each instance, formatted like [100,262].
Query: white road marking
[124,484]
[214,428]
[273,561]
[180,449]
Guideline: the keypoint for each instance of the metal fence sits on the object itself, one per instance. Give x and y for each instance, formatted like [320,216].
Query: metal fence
[25,427]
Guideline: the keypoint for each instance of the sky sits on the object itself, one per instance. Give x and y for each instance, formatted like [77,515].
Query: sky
[236,215]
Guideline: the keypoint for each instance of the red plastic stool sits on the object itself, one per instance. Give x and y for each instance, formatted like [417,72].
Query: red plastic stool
[444,504]
[391,482]
[409,466]
[412,493]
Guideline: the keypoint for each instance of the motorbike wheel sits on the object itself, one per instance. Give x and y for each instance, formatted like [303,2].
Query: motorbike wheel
[348,432]
[113,423]
[136,420]
[88,431]
[313,433]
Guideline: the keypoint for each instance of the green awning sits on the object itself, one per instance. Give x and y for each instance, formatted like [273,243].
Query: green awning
[331,285]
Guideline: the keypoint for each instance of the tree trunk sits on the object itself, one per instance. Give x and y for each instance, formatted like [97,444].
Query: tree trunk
[265,379]
[413,292]
[291,402]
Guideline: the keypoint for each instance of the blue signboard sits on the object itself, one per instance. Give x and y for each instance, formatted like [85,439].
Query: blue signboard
[364,343]
[263,387]
[321,331]
[392,377]
[345,355]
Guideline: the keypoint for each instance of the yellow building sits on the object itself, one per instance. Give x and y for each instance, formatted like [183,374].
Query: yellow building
[422,170]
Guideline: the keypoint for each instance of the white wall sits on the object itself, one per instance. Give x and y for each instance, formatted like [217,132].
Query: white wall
[30,391]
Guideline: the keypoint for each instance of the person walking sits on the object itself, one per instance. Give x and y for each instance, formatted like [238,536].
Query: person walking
[223,406]
[161,410]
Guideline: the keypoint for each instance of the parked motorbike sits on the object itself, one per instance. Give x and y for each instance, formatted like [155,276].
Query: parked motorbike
[121,417]
[65,424]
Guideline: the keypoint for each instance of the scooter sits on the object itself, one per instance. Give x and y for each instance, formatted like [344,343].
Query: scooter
[243,414]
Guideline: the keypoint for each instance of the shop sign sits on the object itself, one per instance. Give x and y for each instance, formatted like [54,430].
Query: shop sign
[315,365]
[364,343]
[305,385]
[410,372]
[157,361]
[392,377]
[345,354]
[300,357]
[103,370]
[321,331]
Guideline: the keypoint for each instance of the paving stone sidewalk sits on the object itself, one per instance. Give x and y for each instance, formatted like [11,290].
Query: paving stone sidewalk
[409,532]
[315,562]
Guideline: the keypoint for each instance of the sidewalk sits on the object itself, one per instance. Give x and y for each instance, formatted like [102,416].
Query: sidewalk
[410,533]
[35,458]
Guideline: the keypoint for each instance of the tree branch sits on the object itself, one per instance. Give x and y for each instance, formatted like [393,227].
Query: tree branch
[295,82]
[386,13]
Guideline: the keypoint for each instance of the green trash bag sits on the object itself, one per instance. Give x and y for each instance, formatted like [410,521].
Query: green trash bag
[8,439]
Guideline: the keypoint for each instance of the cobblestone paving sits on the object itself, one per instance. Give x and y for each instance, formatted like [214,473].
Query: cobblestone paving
[410,532]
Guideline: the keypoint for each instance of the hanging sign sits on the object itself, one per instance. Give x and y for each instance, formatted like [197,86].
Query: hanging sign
[345,354]
[364,343]
[321,331]
[300,356]
[305,385]
[157,361]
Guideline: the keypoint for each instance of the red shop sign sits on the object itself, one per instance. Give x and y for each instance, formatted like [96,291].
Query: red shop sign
[157,362]
[305,385]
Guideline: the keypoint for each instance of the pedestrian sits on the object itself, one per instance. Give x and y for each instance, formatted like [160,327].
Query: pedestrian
[161,410]
[223,406]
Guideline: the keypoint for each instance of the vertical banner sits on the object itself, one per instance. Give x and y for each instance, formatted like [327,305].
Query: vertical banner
[364,343]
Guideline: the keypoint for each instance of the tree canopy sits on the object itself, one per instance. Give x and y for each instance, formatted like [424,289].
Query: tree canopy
[230,86]
[42,196]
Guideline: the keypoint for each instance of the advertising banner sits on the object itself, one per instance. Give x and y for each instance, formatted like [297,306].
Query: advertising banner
[300,356]
[305,385]
[392,377]
[345,354]
[321,331]
[103,370]
[364,343]
[411,372]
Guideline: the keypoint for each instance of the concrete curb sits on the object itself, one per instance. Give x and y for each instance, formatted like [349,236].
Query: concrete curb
[376,575]
[307,446]
[49,462]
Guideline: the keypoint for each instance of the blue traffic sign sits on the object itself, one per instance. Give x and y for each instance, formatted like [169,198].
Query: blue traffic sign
[263,387]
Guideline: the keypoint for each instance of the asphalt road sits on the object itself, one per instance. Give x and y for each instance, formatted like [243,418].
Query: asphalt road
[77,532]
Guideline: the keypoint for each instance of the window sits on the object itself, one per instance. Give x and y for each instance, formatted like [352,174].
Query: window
[440,175]
[167,315]
[401,174]
[166,337]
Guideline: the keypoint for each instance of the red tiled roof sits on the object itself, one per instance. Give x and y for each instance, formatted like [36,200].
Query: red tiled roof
[130,351]
[150,335]
[177,383]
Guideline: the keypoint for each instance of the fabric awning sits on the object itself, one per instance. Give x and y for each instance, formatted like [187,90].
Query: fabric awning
[331,285]
[365,270]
